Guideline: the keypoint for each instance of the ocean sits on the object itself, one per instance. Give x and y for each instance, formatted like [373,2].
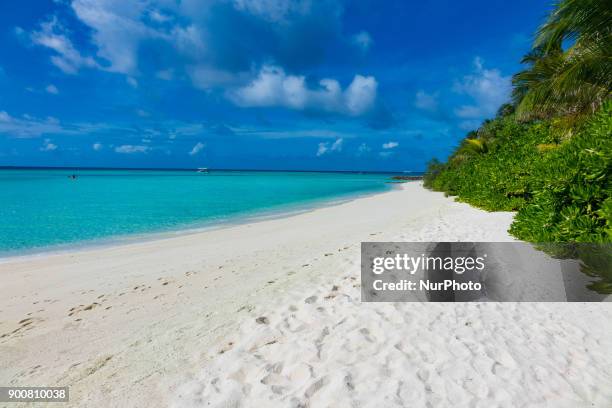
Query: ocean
[45,209]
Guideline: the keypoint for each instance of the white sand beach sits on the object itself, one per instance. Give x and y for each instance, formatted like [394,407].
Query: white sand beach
[268,314]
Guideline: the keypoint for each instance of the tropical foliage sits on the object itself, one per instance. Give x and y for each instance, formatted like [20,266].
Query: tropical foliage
[571,81]
[548,155]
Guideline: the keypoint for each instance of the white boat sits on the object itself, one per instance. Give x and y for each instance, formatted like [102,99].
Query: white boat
[202,170]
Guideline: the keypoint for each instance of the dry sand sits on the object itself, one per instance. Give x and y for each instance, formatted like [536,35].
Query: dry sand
[268,314]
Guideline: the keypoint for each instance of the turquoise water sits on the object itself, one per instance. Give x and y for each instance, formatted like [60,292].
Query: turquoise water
[42,209]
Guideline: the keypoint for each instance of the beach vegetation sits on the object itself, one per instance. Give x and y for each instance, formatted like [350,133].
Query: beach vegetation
[548,154]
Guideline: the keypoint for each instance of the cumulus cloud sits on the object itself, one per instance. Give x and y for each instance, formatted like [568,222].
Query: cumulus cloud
[326,147]
[52,89]
[117,30]
[363,40]
[360,94]
[425,101]
[48,146]
[97,146]
[52,35]
[390,145]
[488,89]
[273,87]
[216,43]
[130,149]
[197,148]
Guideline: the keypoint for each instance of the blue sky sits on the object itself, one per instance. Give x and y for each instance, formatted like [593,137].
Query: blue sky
[263,84]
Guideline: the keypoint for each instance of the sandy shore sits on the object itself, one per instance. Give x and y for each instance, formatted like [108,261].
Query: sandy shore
[268,314]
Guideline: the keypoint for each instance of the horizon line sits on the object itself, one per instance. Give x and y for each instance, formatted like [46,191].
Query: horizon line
[209,169]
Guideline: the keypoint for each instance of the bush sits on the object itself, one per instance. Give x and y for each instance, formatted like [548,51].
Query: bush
[571,189]
[496,176]
[557,178]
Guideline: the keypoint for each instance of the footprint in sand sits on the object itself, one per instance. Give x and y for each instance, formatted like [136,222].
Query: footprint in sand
[82,308]
[262,320]
[24,325]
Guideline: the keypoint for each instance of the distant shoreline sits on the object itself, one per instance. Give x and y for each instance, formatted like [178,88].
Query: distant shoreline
[189,169]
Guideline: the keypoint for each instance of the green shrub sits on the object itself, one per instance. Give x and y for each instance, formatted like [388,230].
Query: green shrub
[558,179]
[571,189]
[496,177]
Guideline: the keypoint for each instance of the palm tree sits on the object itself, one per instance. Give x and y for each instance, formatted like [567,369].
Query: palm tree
[533,87]
[574,80]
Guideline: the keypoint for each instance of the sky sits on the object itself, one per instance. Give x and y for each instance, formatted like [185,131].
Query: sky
[253,84]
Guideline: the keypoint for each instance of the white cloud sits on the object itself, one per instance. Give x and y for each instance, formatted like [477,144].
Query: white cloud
[337,145]
[189,41]
[181,30]
[488,88]
[129,149]
[97,147]
[363,149]
[273,87]
[325,147]
[363,40]
[52,89]
[197,148]
[425,101]
[159,17]
[28,127]
[390,145]
[360,94]
[117,30]
[48,146]
[67,58]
